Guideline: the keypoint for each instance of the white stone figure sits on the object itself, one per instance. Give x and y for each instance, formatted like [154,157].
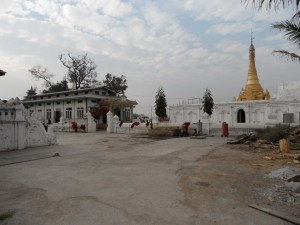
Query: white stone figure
[62,120]
[116,121]
[36,134]
[110,125]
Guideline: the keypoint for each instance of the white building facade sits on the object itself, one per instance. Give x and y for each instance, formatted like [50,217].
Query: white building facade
[72,105]
[253,108]
[240,115]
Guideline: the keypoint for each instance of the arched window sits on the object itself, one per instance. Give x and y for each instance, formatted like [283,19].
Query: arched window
[241,116]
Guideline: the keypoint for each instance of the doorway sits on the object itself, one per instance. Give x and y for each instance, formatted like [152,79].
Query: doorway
[57,116]
[241,116]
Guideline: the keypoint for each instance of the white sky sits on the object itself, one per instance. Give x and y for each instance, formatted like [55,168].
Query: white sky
[183,46]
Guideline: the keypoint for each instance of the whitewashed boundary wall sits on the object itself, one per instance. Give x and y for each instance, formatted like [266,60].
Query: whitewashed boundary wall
[17,132]
[113,125]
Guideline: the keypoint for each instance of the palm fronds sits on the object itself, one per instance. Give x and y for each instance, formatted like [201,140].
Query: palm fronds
[291,28]
[273,3]
[288,55]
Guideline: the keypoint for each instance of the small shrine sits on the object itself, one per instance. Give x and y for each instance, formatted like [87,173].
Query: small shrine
[121,106]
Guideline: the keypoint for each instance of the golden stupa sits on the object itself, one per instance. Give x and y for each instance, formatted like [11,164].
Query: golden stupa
[253,89]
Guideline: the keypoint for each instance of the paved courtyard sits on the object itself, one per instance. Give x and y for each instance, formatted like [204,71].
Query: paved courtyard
[108,179]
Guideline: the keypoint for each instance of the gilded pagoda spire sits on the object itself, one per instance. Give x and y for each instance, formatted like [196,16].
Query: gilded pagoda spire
[253,89]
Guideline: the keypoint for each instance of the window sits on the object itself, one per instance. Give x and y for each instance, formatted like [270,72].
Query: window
[30,112]
[76,93]
[66,94]
[11,113]
[86,92]
[79,101]
[103,93]
[39,104]
[93,101]
[69,113]
[80,112]
[57,95]
[68,102]
[39,114]
[31,105]
[57,115]
[288,117]
[97,92]
[34,98]
[49,96]
[0,113]
[57,103]
[42,97]
[48,103]
[127,113]
[48,114]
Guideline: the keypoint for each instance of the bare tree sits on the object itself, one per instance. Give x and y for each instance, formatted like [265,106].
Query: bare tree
[81,70]
[38,72]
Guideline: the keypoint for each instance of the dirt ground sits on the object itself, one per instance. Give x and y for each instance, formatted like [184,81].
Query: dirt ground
[121,179]
[234,176]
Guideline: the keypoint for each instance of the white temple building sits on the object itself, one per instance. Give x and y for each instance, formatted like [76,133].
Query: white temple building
[253,108]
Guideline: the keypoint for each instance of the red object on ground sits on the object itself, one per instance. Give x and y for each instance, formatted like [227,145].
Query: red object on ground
[224,129]
[135,124]
[185,127]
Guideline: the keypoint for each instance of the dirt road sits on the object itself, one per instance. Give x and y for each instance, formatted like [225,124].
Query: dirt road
[117,179]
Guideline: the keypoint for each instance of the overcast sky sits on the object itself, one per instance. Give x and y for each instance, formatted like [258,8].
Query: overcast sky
[182,46]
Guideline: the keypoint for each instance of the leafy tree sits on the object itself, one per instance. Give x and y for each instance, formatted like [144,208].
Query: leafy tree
[116,84]
[81,70]
[290,28]
[99,111]
[208,102]
[160,103]
[59,86]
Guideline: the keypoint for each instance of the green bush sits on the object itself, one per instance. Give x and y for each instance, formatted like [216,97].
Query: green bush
[273,134]
[6,215]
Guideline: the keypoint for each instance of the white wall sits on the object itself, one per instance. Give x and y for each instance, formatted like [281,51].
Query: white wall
[257,113]
[17,132]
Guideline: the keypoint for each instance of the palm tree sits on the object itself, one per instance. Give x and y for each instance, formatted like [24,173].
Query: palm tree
[290,28]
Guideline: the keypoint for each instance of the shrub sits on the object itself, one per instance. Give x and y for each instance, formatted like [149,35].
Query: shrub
[6,215]
[273,134]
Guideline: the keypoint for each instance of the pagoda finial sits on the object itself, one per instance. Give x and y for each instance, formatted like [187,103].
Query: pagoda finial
[253,89]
